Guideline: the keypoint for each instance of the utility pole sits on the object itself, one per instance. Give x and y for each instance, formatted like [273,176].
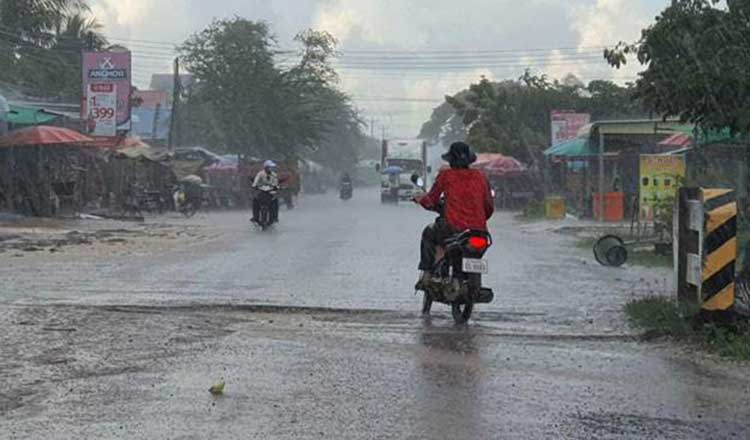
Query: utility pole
[372,128]
[90,41]
[173,126]
[154,129]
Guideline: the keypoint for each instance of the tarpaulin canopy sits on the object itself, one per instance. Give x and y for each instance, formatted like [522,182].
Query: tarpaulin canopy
[678,140]
[44,135]
[576,147]
[29,116]
[136,149]
[708,137]
[225,166]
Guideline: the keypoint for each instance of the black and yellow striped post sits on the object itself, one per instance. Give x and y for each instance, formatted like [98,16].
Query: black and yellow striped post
[706,247]
[719,249]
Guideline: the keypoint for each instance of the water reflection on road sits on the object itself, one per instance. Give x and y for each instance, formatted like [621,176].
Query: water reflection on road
[449,380]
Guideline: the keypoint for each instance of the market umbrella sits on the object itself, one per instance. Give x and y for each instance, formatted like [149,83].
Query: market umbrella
[393,170]
[485,158]
[504,166]
[44,135]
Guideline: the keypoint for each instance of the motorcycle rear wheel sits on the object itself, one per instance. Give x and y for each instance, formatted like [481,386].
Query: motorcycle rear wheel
[462,311]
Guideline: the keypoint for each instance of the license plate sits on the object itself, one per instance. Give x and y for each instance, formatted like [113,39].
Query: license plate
[475,265]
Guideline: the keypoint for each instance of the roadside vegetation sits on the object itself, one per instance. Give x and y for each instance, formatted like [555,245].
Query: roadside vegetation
[534,210]
[661,317]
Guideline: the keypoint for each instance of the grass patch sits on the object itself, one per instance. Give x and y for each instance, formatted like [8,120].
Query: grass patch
[648,258]
[534,210]
[659,316]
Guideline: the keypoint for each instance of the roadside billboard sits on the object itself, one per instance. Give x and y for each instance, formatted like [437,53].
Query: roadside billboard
[660,178]
[106,87]
[565,125]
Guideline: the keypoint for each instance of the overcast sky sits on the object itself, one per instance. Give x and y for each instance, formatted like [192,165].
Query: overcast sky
[400,57]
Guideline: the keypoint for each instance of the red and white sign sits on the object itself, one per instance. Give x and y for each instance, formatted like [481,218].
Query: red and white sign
[101,103]
[101,69]
[565,125]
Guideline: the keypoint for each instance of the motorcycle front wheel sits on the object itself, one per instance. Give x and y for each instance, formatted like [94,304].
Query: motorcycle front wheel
[426,304]
[189,210]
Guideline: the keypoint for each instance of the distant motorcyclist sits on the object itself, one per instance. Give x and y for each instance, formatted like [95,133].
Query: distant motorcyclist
[346,179]
[346,189]
[466,201]
[266,180]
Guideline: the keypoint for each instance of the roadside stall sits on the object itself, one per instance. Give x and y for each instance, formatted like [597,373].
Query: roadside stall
[139,175]
[509,179]
[224,179]
[49,170]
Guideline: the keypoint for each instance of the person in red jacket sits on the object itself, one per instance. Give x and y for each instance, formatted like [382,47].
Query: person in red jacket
[467,204]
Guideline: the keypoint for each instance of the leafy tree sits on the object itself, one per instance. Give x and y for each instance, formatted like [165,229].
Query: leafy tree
[696,57]
[233,63]
[255,107]
[512,117]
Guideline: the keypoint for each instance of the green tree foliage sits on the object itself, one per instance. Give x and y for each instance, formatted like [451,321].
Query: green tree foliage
[245,101]
[696,57]
[512,117]
[41,43]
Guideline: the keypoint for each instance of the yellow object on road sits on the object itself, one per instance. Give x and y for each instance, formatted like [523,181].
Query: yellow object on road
[217,389]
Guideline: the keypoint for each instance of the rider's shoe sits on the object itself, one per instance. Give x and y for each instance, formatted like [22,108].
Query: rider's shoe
[424,279]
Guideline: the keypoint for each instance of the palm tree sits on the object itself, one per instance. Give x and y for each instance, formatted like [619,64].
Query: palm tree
[42,42]
[32,20]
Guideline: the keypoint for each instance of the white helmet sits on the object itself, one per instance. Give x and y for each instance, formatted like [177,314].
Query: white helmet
[269,164]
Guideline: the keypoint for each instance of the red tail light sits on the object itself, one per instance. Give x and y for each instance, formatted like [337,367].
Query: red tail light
[478,243]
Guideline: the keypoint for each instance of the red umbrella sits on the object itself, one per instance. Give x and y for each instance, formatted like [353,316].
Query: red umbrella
[504,166]
[43,135]
[485,158]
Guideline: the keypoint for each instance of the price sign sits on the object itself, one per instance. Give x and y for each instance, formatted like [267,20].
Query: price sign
[102,109]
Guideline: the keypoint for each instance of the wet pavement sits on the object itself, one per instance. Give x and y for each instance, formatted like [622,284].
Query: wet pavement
[314,327]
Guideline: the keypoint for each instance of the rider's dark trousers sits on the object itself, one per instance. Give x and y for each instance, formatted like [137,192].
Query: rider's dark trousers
[433,236]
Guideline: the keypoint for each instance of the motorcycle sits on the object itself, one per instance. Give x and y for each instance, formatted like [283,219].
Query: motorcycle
[185,205]
[346,191]
[266,197]
[457,276]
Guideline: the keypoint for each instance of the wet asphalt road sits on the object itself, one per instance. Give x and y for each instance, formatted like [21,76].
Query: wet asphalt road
[314,327]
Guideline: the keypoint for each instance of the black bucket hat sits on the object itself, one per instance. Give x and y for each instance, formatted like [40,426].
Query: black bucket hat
[460,154]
